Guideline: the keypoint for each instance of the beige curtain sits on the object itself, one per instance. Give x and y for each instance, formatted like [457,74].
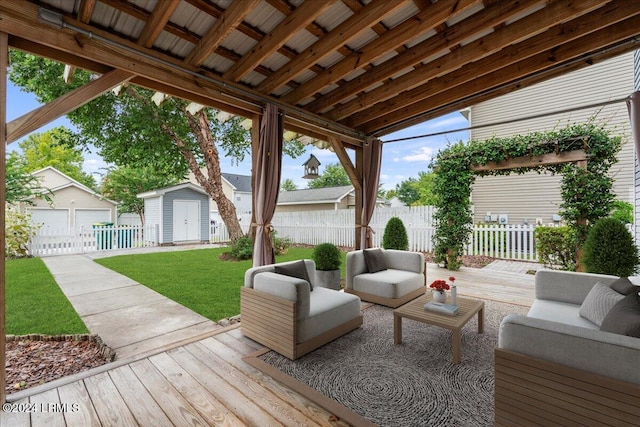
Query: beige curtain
[372,158]
[267,184]
[633,104]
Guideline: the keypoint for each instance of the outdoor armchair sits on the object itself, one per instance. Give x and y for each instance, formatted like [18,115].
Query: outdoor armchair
[289,314]
[385,276]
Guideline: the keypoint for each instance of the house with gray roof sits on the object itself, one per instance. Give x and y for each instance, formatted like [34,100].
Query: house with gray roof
[237,188]
[316,199]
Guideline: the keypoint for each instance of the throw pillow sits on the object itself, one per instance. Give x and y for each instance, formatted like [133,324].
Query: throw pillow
[374,258]
[624,286]
[598,302]
[624,317]
[297,269]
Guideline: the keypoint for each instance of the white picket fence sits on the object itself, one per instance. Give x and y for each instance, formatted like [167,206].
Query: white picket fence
[52,241]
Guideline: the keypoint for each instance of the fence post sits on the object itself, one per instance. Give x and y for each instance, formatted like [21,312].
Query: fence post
[82,239]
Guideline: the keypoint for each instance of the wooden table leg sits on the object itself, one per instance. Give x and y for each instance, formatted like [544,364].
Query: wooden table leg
[481,321]
[456,345]
[397,329]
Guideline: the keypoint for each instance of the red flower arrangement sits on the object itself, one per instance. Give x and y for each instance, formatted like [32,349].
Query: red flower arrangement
[441,285]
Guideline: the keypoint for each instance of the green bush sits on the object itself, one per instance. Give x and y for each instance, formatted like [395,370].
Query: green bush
[18,232]
[622,211]
[395,235]
[556,247]
[242,248]
[610,249]
[327,257]
[280,244]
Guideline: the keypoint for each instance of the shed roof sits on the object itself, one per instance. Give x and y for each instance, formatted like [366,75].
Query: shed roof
[241,183]
[165,190]
[314,195]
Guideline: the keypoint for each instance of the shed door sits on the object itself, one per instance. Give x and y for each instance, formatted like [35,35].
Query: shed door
[186,220]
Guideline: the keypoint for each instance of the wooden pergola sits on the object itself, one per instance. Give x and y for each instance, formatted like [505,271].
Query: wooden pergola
[343,71]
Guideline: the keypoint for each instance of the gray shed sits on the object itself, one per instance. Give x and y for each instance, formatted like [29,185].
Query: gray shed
[181,213]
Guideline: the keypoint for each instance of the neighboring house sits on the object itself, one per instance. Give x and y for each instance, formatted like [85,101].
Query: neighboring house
[181,212]
[517,199]
[74,204]
[316,199]
[237,188]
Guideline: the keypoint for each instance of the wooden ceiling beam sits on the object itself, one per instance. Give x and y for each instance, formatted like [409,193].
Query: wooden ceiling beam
[445,39]
[489,47]
[64,104]
[220,30]
[574,51]
[84,15]
[346,163]
[423,21]
[156,23]
[351,27]
[290,25]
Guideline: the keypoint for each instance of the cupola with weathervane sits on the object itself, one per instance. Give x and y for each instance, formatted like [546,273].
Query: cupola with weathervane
[311,167]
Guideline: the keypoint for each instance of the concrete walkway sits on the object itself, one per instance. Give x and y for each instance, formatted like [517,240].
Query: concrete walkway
[129,317]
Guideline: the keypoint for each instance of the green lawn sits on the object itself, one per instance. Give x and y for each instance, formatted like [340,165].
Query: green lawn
[35,303]
[197,279]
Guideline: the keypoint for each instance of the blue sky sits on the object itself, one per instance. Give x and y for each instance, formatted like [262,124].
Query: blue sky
[400,160]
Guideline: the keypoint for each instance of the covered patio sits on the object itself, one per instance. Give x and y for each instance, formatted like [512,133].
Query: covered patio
[346,72]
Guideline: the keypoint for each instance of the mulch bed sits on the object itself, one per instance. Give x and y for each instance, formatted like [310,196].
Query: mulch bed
[36,359]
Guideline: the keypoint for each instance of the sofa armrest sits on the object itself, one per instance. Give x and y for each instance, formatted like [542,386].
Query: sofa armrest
[286,287]
[354,265]
[404,260]
[567,286]
[604,353]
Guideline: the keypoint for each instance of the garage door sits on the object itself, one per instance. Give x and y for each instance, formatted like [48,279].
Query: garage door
[87,217]
[54,221]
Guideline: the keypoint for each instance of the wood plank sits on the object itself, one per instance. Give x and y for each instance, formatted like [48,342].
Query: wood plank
[504,36]
[86,415]
[155,25]
[354,175]
[174,405]
[240,346]
[300,18]
[428,18]
[64,104]
[47,416]
[237,402]
[109,405]
[237,334]
[340,35]
[15,418]
[220,30]
[206,404]
[4,64]
[140,402]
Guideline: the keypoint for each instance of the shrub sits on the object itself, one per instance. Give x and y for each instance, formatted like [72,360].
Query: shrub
[610,249]
[395,235]
[242,248]
[19,231]
[327,257]
[556,247]
[280,244]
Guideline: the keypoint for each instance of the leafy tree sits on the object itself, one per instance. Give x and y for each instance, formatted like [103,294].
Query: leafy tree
[622,211]
[123,184]
[288,185]
[407,192]
[57,148]
[425,189]
[21,186]
[129,129]
[334,175]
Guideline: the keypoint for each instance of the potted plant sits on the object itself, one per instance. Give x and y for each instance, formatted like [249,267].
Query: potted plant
[328,259]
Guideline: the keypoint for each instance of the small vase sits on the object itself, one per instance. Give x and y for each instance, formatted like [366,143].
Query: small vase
[439,296]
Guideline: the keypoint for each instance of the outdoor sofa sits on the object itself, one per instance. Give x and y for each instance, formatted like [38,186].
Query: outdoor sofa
[282,309]
[385,276]
[555,364]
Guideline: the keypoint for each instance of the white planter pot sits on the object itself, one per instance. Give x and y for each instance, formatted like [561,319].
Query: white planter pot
[328,279]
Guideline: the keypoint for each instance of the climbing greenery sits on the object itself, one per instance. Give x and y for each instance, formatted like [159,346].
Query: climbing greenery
[586,193]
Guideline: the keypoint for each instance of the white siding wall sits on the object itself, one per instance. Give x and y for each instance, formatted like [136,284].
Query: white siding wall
[533,196]
[636,86]
[152,213]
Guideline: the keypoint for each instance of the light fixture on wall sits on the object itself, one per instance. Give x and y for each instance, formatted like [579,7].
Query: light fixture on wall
[311,168]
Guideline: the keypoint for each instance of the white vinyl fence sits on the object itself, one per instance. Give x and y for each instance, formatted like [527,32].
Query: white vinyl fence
[52,241]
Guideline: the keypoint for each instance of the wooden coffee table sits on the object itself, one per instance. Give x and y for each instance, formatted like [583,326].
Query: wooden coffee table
[414,310]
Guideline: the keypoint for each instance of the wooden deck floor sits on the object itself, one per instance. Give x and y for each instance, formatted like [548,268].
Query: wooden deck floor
[205,382]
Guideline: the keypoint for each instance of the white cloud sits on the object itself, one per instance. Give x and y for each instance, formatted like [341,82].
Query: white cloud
[423,154]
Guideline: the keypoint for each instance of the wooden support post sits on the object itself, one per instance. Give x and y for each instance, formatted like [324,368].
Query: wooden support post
[255,143]
[359,196]
[4,64]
